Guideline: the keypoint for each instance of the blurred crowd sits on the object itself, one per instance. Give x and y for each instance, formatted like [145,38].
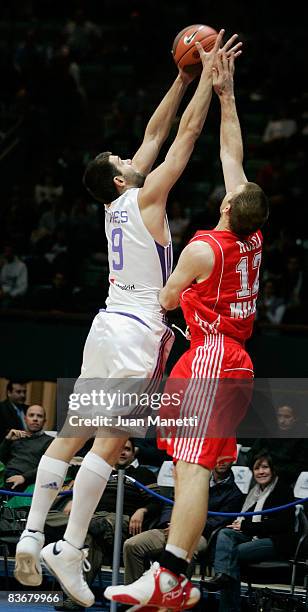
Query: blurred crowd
[81,77]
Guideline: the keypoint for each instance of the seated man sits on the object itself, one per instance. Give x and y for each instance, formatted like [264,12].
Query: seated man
[13,408]
[224,496]
[138,510]
[21,450]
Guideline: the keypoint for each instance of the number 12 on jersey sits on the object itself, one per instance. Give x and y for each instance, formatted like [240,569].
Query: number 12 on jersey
[117,248]
[242,268]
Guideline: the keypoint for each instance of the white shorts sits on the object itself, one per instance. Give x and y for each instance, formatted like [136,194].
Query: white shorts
[123,345]
[122,355]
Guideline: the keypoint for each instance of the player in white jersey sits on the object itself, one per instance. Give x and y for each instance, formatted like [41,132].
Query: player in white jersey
[130,339]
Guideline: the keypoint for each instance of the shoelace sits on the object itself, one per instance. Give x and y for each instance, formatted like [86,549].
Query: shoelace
[85,564]
[153,568]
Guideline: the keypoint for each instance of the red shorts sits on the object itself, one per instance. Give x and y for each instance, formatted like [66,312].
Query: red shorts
[214,381]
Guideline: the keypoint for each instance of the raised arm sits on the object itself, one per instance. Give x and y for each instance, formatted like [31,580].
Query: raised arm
[231,144]
[161,180]
[159,126]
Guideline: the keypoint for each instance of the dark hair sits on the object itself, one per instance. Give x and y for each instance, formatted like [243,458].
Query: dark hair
[132,441]
[9,386]
[249,210]
[262,455]
[98,178]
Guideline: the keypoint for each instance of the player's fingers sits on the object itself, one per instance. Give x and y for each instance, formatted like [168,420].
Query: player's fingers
[199,48]
[218,62]
[218,41]
[231,62]
[225,62]
[238,53]
[234,49]
[230,42]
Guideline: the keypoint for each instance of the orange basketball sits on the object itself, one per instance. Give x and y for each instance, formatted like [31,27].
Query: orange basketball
[184,51]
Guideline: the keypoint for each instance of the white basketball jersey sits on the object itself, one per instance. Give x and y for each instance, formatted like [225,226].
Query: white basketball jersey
[138,266]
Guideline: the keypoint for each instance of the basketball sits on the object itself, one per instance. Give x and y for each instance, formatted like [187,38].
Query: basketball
[184,51]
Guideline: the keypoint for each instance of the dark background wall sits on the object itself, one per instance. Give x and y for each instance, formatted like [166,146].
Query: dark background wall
[52,348]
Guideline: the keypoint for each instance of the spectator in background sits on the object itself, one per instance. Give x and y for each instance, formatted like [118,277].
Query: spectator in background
[84,228]
[178,223]
[253,538]
[280,127]
[273,179]
[53,218]
[294,281]
[56,297]
[288,422]
[139,508]
[270,307]
[65,111]
[13,278]
[147,451]
[288,445]
[12,410]
[295,290]
[224,496]
[82,35]
[30,59]
[58,250]
[46,190]
[21,450]
[18,219]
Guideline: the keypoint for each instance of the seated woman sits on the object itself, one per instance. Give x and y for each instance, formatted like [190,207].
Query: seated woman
[256,538]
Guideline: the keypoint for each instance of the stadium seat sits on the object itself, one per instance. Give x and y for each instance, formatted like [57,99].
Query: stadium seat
[267,571]
[287,569]
[242,476]
[165,476]
[165,479]
[301,486]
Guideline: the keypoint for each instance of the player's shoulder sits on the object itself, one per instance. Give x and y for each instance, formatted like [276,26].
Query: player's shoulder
[202,236]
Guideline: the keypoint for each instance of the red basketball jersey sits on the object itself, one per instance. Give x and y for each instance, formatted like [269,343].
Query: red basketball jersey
[226,301]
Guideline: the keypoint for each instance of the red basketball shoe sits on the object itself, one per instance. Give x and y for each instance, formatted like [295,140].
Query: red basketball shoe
[158,587]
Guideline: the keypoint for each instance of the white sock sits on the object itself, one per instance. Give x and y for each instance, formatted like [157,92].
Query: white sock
[89,486]
[177,551]
[49,480]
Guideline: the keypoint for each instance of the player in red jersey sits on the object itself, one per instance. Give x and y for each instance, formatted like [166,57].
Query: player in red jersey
[216,284]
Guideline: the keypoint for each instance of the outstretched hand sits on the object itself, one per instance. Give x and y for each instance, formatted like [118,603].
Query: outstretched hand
[223,72]
[229,49]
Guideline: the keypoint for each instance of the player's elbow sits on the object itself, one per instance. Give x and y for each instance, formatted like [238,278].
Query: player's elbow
[169,299]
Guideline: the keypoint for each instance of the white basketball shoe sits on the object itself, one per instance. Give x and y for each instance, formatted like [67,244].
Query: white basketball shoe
[28,569]
[67,564]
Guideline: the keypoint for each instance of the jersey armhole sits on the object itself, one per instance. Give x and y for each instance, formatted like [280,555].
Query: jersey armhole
[217,255]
